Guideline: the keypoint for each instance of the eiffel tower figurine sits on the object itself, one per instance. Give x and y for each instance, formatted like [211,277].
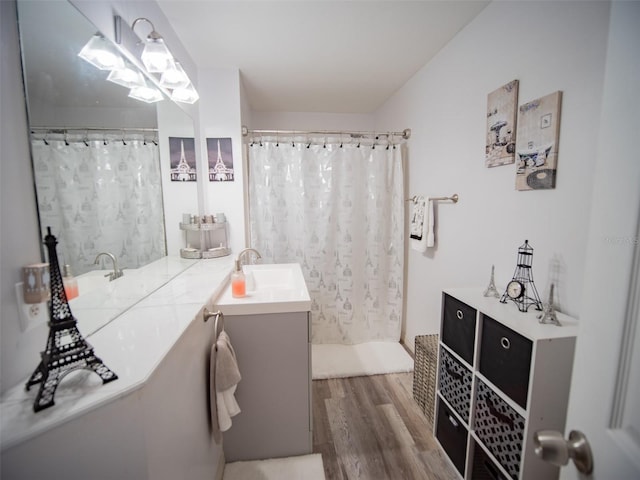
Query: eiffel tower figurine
[66,349]
[521,290]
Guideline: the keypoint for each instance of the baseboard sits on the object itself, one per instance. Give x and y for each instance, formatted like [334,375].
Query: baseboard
[408,349]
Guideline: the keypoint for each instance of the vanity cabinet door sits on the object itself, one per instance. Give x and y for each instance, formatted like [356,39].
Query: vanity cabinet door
[274,395]
[505,359]
[459,327]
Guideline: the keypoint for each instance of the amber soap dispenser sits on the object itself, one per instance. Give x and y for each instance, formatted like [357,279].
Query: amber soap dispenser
[238,282]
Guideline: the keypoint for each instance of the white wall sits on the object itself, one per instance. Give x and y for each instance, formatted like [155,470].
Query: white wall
[221,117]
[311,121]
[179,197]
[548,46]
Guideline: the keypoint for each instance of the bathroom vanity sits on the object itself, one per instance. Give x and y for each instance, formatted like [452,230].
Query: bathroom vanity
[153,422]
[502,376]
[270,330]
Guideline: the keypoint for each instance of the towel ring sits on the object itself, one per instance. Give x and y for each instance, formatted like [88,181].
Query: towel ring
[219,321]
[206,314]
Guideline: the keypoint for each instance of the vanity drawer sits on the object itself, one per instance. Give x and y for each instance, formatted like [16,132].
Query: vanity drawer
[500,428]
[483,467]
[458,327]
[505,359]
[455,383]
[452,435]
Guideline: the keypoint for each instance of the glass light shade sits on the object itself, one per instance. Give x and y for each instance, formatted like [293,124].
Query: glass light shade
[99,52]
[156,56]
[146,94]
[186,94]
[127,77]
[174,78]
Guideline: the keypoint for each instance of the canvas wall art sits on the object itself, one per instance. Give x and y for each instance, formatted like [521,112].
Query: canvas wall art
[537,143]
[182,156]
[502,108]
[220,159]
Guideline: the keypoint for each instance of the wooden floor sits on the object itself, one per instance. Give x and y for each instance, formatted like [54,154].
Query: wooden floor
[370,428]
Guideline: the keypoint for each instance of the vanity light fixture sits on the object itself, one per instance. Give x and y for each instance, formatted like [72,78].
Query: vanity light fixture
[146,94]
[127,76]
[174,77]
[156,56]
[99,53]
[186,94]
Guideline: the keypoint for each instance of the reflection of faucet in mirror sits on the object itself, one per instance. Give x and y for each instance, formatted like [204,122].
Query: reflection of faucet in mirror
[247,250]
[117,273]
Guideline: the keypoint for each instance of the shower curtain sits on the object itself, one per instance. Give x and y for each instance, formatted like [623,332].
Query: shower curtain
[338,210]
[100,193]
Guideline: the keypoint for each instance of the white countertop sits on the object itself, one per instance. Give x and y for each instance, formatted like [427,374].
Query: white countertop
[132,345]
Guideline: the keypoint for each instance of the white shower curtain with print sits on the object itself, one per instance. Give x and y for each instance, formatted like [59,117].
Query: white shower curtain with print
[100,193]
[338,210]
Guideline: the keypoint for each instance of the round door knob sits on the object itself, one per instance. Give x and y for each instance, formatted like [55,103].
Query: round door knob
[551,447]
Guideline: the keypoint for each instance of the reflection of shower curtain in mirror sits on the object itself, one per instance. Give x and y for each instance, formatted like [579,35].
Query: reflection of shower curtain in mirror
[101,198]
[339,212]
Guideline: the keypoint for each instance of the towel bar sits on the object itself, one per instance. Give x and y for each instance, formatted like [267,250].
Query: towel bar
[454,198]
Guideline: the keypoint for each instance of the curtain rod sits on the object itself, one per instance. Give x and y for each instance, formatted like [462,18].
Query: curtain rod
[405,134]
[91,129]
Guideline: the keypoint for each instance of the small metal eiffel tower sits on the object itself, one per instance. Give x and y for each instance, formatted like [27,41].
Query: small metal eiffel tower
[66,349]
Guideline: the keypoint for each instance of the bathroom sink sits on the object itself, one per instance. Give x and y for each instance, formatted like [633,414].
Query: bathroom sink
[274,288]
[95,279]
[280,276]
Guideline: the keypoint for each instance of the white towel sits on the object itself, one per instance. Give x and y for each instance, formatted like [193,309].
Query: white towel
[227,407]
[430,224]
[225,376]
[418,234]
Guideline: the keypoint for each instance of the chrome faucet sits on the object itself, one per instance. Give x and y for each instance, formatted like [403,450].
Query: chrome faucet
[117,273]
[247,250]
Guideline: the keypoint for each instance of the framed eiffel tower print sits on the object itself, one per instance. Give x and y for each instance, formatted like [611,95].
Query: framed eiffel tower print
[182,154]
[220,158]
[66,348]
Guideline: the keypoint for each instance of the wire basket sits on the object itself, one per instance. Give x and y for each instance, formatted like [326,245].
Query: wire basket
[424,373]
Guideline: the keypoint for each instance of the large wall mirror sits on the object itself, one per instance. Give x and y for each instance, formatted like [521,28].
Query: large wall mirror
[99,159]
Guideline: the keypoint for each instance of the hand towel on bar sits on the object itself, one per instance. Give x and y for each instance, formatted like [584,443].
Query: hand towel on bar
[418,237]
[430,224]
[225,376]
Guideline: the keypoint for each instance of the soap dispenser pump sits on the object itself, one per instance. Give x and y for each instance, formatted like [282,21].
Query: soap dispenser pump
[238,283]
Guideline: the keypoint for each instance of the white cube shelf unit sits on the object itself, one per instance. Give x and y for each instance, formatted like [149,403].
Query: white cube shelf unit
[502,376]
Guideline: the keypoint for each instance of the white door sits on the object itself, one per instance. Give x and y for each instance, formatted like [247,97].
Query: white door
[605,391]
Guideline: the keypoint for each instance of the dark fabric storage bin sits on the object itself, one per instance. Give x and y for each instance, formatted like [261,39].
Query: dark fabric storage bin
[500,428]
[483,467]
[505,359]
[455,383]
[458,327]
[452,435]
